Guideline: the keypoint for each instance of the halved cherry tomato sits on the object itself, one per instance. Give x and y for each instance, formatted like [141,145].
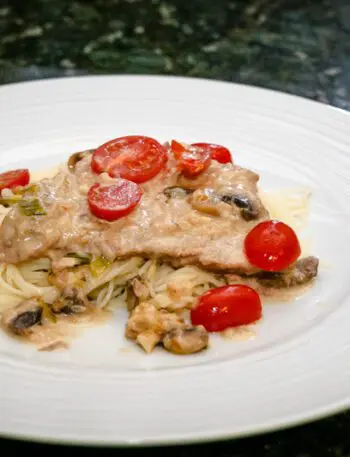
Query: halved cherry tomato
[111,202]
[14,178]
[272,246]
[227,306]
[218,153]
[136,158]
[191,160]
[177,148]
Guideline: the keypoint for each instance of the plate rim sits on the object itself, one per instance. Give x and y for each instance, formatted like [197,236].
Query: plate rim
[315,414]
[56,79]
[278,426]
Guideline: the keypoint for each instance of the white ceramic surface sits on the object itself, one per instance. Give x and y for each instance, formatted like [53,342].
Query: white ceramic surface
[105,391]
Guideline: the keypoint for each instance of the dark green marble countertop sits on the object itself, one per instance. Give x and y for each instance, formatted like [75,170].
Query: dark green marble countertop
[301,47]
[298,46]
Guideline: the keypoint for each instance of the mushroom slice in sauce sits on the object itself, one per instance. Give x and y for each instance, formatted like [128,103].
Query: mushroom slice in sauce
[186,340]
[21,319]
[141,290]
[249,209]
[303,271]
[71,301]
[136,291]
[176,192]
[77,157]
[206,201]
[131,299]
[147,325]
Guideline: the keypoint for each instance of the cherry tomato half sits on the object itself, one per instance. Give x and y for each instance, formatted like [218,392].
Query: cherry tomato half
[14,178]
[111,202]
[227,306]
[218,153]
[272,246]
[136,158]
[191,160]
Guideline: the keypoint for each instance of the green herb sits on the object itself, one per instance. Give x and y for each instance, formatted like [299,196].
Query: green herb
[47,313]
[94,293]
[10,201]
[31,208]
[28,190]
[99,265]
[84,259]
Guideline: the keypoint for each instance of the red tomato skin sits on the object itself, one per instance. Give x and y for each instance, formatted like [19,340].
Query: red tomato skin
[134,157]
[191,161]
[227,306]
[14,178]
[177,148]
[218,153]
[272,246]
[111,202]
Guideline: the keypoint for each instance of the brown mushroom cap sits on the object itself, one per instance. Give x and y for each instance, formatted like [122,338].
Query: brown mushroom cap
[77,157]
[186,340]
[20,319]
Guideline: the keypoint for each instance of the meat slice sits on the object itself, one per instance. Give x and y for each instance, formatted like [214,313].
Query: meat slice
[204,225]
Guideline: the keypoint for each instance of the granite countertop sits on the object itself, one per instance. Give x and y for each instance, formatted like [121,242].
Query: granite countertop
[296,46]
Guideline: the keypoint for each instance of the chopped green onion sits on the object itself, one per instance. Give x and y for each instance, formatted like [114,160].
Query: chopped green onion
[10,201]
[94,293]
[31,208]
[30,190]
[47,313]
[99,265]
[84,259]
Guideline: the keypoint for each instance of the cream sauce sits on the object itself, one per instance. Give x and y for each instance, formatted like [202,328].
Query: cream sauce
[50,336]
[158,227]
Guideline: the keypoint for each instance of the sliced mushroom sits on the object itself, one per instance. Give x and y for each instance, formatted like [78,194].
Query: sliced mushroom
[206,201]
[147,325]
[304,271]
[21,319]
[136,291]
[176,192]
[249,209]
[131,299]
[186,340]
[77,157]
[71,301]
[140,289]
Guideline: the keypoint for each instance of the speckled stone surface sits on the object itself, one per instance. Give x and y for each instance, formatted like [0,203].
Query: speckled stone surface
[296,46]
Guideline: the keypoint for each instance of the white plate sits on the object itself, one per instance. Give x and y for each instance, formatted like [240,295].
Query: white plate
[103,391]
